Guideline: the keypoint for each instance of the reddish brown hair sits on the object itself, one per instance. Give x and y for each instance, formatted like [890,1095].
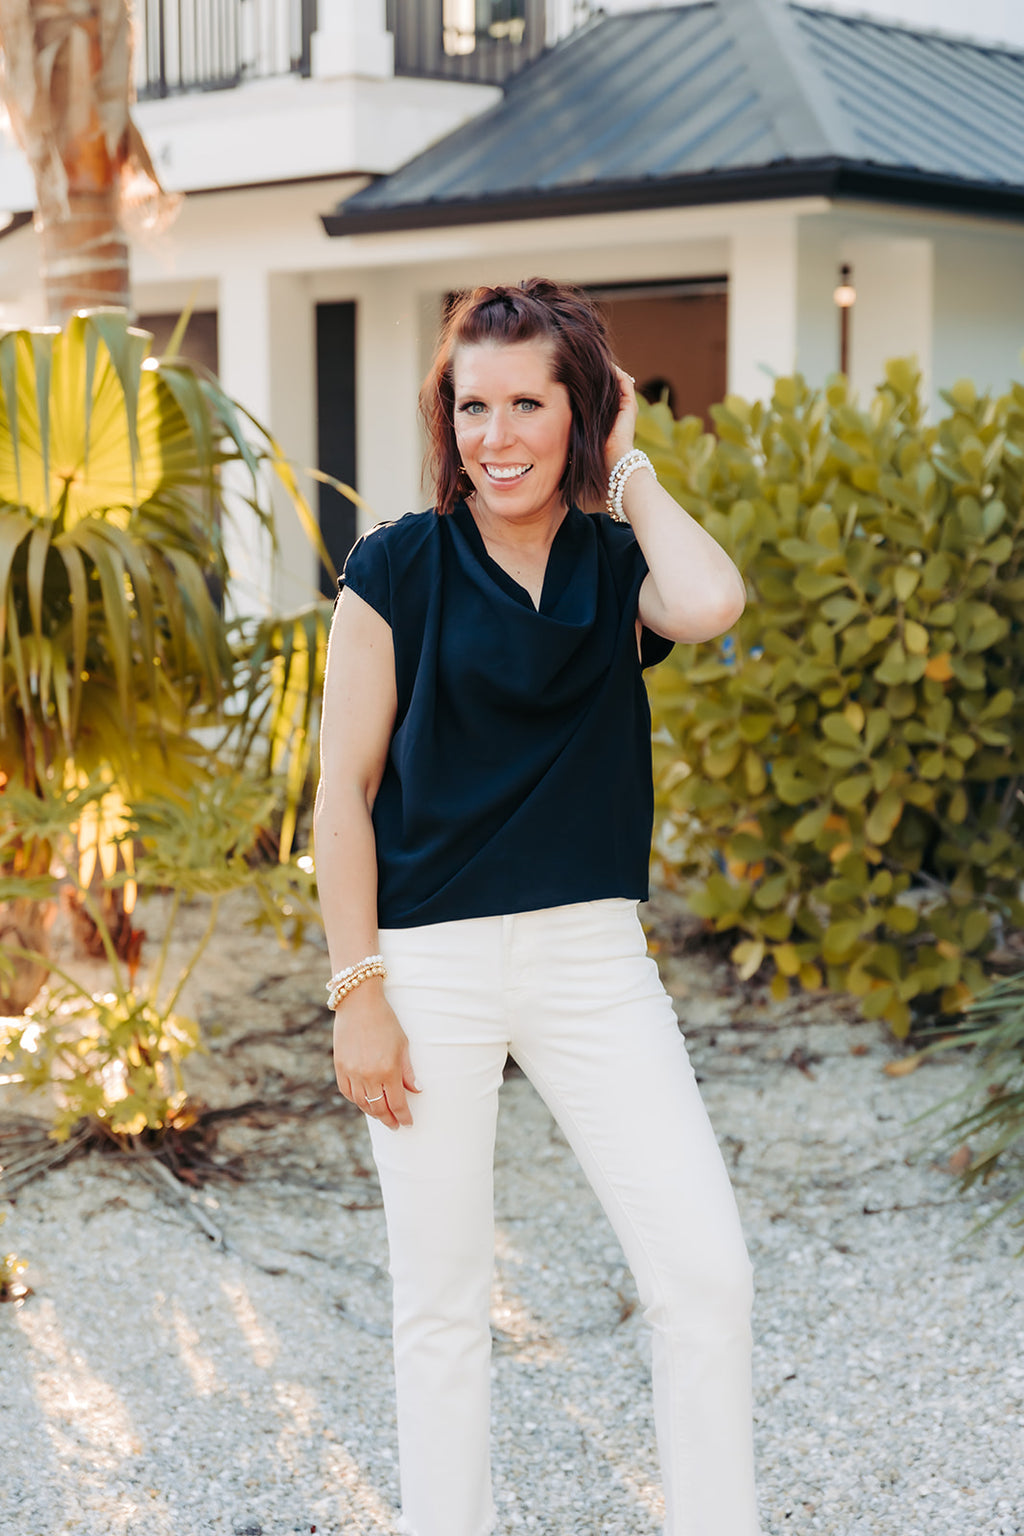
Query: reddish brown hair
[582,361]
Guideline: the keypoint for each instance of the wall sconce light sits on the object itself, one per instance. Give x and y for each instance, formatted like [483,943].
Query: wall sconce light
[844,298]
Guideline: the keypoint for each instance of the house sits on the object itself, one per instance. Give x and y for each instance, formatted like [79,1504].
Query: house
[709,170]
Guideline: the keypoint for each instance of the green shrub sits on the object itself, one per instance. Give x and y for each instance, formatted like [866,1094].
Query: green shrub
[842,772]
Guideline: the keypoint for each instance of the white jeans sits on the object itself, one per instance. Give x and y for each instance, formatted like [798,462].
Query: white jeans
[572,994]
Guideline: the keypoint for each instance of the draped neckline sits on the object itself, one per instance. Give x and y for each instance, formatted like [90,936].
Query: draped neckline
[556,570]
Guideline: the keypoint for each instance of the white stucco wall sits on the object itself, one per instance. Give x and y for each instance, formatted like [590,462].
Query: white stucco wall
[979,307]
[892,262]
[944,289]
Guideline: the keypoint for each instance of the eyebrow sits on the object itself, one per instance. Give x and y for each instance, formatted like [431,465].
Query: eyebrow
[521,394]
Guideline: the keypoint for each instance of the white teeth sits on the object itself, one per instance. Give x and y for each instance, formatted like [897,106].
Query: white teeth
[506,471]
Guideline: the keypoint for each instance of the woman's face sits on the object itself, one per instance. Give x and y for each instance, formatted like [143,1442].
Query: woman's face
[512,425]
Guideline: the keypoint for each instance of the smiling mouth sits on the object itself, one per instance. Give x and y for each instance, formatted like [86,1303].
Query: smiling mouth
[504,473]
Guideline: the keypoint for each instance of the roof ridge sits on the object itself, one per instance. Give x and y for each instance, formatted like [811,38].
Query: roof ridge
[902,24]
[787,79]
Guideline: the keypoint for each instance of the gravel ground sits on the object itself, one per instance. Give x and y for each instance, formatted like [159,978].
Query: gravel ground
[217,1361]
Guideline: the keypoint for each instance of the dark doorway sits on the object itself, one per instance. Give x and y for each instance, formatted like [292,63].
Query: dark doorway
[336,427]
[673,338]
[199,344]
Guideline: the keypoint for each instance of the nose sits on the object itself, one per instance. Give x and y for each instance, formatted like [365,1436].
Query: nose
[499,430]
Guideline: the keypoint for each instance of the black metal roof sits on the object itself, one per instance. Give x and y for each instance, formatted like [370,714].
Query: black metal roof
[724,100]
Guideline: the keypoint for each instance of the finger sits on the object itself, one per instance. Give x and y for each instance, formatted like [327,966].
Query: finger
[384,1113]
[408,1075]
[373,1101]
[398,1104]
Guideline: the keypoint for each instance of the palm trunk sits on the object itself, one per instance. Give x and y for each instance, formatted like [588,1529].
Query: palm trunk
[84,256]
[67,86]
[84,250]
[25,925]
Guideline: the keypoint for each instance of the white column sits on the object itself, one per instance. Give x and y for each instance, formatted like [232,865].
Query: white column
[389,374]
[762,305]
[818,343]
[293,421]
[243,343]
[893,315]
[352,39]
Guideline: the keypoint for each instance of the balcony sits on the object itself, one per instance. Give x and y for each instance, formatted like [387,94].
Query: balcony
[480,40]
[211,45]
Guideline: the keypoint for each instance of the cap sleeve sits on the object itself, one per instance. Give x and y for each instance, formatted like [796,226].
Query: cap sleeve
[367,572]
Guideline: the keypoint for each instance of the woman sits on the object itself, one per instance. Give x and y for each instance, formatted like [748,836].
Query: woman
[483,831]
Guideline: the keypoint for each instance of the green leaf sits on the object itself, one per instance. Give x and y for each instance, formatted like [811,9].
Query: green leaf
[885,816]
[893,666]
[747,957]
[816,584]
[9,385]
[853,792]
[42,353]
[901,919]
[811,824]
[876,729]
[791,786]
[838,729]
[976,927]
[905,581]
[771,892]
[840,940]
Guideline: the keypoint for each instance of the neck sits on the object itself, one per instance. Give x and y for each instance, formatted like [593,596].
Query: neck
[534,531]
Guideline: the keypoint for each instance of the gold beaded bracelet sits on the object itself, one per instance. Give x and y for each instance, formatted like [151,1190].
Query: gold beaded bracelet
[346,981]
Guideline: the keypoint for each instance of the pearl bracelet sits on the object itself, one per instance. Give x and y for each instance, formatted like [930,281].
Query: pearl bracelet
[346,981]
[634,459]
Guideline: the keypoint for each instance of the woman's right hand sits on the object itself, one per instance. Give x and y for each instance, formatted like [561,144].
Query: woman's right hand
[371,1056]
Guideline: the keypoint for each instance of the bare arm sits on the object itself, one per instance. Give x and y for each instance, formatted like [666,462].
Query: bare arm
[371,1052]
[692,590]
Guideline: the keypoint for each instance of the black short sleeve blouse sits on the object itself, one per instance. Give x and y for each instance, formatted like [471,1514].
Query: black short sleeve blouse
[519,772]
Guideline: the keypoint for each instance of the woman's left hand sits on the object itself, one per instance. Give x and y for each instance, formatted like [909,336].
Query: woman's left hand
[620,439]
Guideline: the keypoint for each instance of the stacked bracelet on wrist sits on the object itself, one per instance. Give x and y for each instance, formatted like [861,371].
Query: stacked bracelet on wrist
[346,981]
[634,459]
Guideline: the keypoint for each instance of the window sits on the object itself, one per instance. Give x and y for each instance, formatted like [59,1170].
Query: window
[466,22]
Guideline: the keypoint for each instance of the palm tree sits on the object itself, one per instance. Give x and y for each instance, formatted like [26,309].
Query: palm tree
[67,86]
[113,648]
[116,658]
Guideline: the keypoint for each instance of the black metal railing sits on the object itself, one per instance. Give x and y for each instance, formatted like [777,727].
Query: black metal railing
[482,40]
[211,45]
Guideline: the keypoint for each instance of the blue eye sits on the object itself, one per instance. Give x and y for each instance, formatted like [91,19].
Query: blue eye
[529,405]
[472,407]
